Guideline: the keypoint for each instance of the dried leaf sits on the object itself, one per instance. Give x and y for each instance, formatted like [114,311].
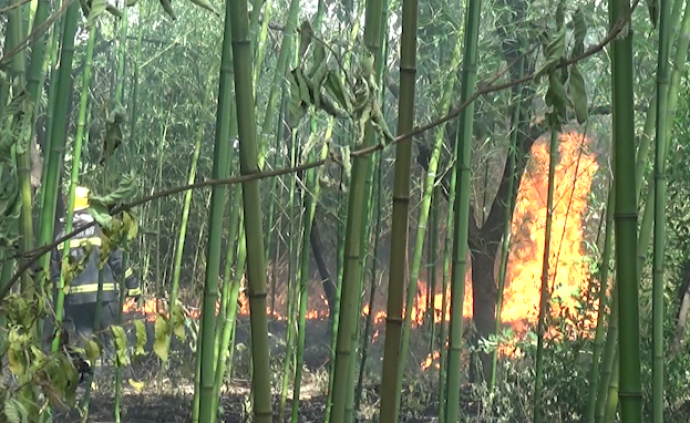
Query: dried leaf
[578,93]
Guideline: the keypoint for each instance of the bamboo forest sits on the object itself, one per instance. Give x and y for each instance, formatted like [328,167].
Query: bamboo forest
[344,211]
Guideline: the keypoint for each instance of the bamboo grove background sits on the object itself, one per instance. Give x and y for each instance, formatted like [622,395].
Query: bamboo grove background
[372,210]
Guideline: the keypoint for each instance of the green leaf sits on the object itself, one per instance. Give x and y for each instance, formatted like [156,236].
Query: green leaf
[120,344]
[553,52]
[92,351]
[97,8]
[140,343]
[16,359]
[168,9]
[305,37]
[160,346]
[556,97]
[101,214]
[113,11]
[12,411]
[653,7]
[578,93]
[125,189]
[178,322]
[131,226]
[205,4]
[580,32]
[334,86]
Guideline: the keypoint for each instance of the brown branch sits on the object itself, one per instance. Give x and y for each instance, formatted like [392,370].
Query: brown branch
[32,257]
[487,88]
[36,254]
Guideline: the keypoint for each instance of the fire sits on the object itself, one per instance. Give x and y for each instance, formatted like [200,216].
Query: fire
[430,360]
[573,177]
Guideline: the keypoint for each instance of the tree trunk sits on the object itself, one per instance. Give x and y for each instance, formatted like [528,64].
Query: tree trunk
[483,308]
[329,288]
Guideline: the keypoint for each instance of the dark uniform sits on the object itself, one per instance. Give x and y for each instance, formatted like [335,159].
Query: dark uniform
[80,301]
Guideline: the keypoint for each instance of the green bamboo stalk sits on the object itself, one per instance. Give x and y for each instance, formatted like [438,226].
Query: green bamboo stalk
[603,278]
[15,35]
[52,59]
[182,235]
[613,395]
[342,381]
[429,183]
[343,202]
[120,313]
[626,217]
[608,360]
[144,12]
[365,244]
[57,135]
[278,76]
[274,198]
[662,132]
[292,289]
[372,292]
[224,359]
[119,88]
[544,292]
[507,235]
[399,227]
[96,330]
[261,40]
[311,199]
[447,256]
[679,65]
[431,267]
[249,163]
[220,170]
[463,147]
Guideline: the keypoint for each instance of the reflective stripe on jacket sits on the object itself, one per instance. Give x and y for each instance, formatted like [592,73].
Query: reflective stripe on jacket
[84,286]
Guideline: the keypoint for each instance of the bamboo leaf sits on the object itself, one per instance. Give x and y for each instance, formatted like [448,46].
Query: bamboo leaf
[120,344]
[578,93]
[131,226]
[113,11]
[178,322]
[101,215]
[95,10]
[305,37]
[11,409]
[168,9]
[653,8]
[580,32]
[553,52]
[92,351]
[334,86]
[140,343]
[161,334]
[205,4]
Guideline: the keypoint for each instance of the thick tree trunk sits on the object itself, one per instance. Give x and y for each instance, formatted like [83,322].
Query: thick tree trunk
[483,308]
[329,288]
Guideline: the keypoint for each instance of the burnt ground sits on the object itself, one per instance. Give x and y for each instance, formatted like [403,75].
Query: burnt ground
[169,398]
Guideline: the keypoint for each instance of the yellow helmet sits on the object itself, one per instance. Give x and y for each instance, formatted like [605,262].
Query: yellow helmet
[81,199]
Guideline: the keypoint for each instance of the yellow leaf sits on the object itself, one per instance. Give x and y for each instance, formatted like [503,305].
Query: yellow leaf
[138,386]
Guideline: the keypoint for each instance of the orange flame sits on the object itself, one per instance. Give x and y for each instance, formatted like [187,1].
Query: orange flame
[573,177]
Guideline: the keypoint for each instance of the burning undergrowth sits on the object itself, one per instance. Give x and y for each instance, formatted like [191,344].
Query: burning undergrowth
[569,268]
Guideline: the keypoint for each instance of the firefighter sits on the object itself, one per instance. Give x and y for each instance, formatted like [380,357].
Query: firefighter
[80,300]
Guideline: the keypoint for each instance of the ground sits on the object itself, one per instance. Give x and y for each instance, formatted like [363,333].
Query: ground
[169,399]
